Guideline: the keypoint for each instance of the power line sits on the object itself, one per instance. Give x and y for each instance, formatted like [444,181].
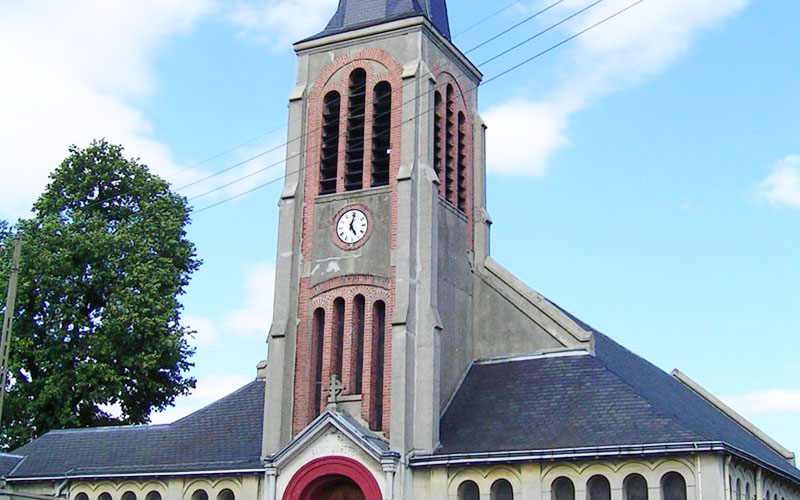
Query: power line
[490,16]
[566,40]
[218,155]
[537,35]
[343,133]
[494,78]
[512,28]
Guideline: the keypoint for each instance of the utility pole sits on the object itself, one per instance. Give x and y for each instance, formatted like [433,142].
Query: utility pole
[5,339]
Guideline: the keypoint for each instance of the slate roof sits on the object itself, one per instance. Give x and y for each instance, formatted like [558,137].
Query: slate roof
[609,399]
[7,463]
[225,435]
[356,14]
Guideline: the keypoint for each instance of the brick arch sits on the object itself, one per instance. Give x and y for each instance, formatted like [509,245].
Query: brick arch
[366,59]
[316,473]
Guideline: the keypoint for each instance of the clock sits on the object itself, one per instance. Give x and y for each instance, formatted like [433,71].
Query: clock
[352,226]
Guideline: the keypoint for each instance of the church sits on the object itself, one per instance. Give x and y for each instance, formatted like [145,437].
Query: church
[404,363]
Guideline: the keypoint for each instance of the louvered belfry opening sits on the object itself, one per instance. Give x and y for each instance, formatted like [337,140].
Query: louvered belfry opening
[381,133]
[356,110]
[462,162]
[450,149]
[329,156]
[438,116]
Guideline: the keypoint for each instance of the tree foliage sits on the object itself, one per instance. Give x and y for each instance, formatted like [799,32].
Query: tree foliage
[97,329]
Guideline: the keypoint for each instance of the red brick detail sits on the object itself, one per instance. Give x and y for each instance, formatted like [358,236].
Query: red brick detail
[323,295]
[379,67]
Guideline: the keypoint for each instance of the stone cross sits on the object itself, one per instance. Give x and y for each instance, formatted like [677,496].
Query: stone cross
[335,389]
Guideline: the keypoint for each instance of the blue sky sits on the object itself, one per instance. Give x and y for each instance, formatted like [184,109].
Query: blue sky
[645,176]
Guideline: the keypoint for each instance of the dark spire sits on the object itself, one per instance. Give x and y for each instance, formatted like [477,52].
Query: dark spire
[354,14]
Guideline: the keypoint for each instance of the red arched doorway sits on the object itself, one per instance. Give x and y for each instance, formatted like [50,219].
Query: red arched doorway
[333,478]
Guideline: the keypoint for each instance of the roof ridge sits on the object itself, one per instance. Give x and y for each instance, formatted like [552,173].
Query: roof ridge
[217,402]
[656,407]
[106,428]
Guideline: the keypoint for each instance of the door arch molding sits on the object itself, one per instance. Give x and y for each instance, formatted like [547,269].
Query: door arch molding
[320,470]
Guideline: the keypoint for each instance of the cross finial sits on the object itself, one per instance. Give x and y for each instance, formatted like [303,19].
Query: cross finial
[335,389]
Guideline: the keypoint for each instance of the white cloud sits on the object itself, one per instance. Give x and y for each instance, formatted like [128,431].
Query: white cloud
[208,390]
[282,22]
[639,43]
[782,186]
[69,70]
[254,318]
[765,402]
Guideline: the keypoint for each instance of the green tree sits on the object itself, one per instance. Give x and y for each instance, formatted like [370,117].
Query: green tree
[98,322]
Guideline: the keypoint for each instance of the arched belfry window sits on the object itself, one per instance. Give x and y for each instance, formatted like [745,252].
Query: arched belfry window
[356,111]
[450,147]
[338,337]
[598,488]
[501,490]
[562,489]
[318,344]
[635,488]
[357,340]
[378,360]
[673,486]
[438,117]
[462,162]
[468,490]
[329,150]
[381,133]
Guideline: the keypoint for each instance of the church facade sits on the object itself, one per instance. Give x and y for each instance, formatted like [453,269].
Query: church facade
[404,362]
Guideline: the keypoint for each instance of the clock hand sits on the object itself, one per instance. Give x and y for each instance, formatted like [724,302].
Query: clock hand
[352,228]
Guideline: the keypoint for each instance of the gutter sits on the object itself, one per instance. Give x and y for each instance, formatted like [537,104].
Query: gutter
[587,453]
[132,475]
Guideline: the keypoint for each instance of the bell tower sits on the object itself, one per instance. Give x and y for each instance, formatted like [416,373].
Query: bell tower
[381,220]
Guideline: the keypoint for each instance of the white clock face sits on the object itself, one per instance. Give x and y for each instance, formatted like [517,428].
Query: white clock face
[352,226]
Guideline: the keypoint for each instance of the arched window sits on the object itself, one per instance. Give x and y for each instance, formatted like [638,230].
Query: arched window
[317,345]
[329,149]
[769,495]
[200,495]
[635,488]
[356,109]
[598,488]
[104,496]
[438,119]
[338,337]
[738,489]
[226,494]
[450,147]
[358,342]
[501,490]
[81,496]
[673,486]
[129,495]
[562,489]
[747,491]
[153,495]
[468,490]
[381,133]
[462,162]
[378,357]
